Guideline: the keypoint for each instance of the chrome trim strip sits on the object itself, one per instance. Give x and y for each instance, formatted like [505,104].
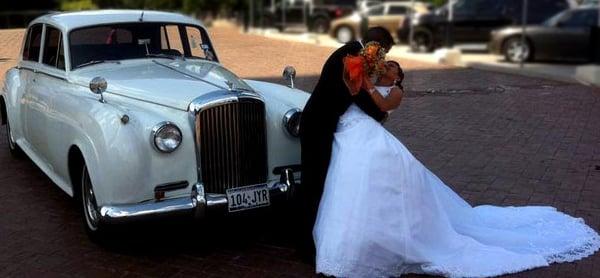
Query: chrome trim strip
[195,205]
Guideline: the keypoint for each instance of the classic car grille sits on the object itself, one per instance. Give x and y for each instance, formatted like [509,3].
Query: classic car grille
[232,144]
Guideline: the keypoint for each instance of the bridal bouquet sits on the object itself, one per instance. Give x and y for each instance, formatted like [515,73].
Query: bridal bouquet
[369,62]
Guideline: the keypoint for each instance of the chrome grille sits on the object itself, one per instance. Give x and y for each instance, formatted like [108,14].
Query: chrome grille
[232,144]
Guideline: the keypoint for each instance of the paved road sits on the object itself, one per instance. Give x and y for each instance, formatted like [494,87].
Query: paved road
[495,139]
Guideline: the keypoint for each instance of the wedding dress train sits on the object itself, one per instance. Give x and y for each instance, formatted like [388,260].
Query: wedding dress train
[384,214]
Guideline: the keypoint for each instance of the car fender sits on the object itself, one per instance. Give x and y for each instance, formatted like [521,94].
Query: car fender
[283,149]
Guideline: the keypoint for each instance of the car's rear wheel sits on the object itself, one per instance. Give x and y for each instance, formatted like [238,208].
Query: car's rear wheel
[13,148]
[320,25]
[344,34]
[422,41]
[517,50]
[93,225]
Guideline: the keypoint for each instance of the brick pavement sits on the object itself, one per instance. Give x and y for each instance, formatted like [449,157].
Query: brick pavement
[494,138]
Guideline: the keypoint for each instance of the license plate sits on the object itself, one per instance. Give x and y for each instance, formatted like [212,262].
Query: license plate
[248,197]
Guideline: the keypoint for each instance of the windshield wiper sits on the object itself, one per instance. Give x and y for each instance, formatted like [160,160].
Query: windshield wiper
[94,62]
[162,55]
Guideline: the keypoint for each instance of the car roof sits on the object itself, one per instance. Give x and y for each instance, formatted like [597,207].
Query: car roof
[67,21]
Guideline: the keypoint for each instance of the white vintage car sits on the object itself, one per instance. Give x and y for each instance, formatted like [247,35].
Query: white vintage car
[132,113]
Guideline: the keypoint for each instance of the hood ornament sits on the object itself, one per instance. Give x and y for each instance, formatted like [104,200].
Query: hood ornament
[230,85]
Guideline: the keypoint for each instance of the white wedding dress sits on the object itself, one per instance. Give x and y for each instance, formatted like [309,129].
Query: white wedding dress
[384,214]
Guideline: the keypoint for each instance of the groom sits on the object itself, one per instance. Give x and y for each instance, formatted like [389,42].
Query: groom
[329,100]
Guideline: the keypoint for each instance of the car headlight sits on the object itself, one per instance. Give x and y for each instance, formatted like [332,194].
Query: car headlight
[291,121]
[166,137]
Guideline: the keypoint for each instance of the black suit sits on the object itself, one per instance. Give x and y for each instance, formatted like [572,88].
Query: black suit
[329,100]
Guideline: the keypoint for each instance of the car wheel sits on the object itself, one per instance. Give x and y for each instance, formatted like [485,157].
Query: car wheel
[320,26]
[13,148]
[93,226]
[344,34]
[516,50]
[422,42]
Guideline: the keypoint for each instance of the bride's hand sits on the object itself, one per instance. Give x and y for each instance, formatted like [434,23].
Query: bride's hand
[367,84]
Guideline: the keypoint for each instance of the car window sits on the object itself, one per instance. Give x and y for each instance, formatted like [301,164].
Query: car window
[31,50]
[397,10]
[579,18]
[377,10]
[465,6]
[122,41]
[545,9]
[195,40]
[171,40]
[52,55]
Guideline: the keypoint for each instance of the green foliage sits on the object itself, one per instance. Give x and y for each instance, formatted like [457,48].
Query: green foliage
[76,5]
[438,3]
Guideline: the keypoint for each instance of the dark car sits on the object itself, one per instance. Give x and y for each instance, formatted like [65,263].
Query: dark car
[474,20]
[565,36]
[318,13]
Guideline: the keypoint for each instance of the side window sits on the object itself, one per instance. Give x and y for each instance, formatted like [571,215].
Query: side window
[170,40]
[53,54]
[31,50]
[581,18]
[378,10]
[397,10]
[545,9]
[195,40]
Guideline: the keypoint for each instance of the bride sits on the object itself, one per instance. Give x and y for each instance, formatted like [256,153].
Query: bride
[384,214]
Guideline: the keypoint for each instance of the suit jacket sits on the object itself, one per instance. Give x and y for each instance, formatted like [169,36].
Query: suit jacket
[331,98]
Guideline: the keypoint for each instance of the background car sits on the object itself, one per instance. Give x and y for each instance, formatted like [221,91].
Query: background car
[475,19]
[590,2]
[319,14]
[388,15]
[565,36]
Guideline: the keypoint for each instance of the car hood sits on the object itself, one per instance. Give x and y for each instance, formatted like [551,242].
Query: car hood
[165,82]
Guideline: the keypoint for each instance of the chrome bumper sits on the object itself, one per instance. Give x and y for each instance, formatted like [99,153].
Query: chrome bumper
[195,206]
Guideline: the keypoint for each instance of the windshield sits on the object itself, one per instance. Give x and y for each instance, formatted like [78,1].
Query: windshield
[125,41]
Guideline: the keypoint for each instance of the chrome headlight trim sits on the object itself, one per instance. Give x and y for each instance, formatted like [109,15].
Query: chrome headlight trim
[291,121]
[158,129]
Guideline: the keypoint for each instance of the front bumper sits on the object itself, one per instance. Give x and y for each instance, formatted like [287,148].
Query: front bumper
[495,45]
[195,205]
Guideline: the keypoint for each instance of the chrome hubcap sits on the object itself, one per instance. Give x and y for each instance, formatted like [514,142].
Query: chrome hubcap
[344,35]
[420,42]
[517,51]
[89,202]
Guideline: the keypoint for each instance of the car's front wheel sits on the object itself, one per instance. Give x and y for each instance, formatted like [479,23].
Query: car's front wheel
[13,148]
[344,34]
[517,50]
[93,226]
[422,41]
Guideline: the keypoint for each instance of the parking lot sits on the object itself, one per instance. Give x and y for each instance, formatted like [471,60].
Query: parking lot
[495,138]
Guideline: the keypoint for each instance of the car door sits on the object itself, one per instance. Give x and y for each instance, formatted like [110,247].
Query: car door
[376,15]
[573,34]
[394,15]
[464,23]
[490,15]
[28,68]
[47,82]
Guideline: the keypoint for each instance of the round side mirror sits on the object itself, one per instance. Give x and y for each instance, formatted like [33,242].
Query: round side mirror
[289,73]
[98,86]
